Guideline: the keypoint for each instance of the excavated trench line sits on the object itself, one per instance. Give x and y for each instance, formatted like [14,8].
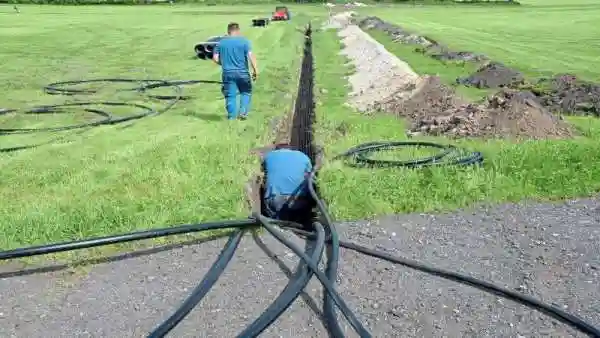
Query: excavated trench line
[296,128]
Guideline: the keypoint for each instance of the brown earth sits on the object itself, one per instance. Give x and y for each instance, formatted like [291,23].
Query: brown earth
[568,94]
[435,109]
[561,94]
[425,44]
[381,82]
[493,75]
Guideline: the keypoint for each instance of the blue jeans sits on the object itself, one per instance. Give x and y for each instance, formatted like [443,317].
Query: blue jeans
[234,83]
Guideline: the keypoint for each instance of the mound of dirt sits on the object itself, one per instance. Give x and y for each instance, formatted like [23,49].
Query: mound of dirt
[441,53]
[381,82]
[518,113]
[567,94]
[493,75]
[429,98]
[435,109]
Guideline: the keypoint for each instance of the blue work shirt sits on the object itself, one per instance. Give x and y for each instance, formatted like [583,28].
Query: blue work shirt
[233,53]
[285,171]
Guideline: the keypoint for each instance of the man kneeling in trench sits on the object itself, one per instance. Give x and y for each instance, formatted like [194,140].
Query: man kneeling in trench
[286,182]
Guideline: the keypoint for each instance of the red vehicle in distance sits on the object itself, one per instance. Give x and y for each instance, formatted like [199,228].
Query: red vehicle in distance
[281,14]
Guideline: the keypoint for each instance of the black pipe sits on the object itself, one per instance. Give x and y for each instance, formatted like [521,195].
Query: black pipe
[322,232]
[69,88]
[291,291]
[209,280]
[123,238]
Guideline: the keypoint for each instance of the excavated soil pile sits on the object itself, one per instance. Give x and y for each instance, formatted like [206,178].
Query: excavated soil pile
[435,109]
[562,94]
[426,45]
[381,82]
[493,75]
[567,94]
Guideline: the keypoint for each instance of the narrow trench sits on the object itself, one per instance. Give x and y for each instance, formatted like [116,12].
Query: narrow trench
[295,129]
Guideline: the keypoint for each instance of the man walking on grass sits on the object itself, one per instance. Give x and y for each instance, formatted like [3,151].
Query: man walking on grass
[234,53]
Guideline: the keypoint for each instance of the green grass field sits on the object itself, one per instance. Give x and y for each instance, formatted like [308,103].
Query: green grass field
[187,165]
[539,38]
[190,164]
[513,171]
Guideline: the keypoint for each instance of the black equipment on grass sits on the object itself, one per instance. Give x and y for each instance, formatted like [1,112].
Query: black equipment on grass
[260,22]
[204,50]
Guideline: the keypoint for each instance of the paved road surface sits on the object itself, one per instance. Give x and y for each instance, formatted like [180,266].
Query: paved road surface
[551,251]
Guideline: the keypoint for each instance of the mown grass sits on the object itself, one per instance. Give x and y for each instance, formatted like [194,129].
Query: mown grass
[541,38]
[186,165]
[447,71]
[512,171]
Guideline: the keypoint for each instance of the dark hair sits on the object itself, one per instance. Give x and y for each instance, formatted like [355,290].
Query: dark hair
[282,146]
[233,27]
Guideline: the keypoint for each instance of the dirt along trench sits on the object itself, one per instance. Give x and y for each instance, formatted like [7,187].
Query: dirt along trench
[382,82]
[561,94]
[128,297]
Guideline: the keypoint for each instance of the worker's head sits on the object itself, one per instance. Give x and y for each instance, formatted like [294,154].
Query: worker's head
[233,29]
[280,146]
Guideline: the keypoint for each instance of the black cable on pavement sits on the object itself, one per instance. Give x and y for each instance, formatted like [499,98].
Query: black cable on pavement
[327,284]
[123,238]
[333,253]
[571,320]
[291,291]
[296,286]
[209,280]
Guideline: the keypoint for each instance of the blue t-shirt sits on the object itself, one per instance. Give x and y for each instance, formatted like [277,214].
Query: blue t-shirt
[285,172]
[233,53]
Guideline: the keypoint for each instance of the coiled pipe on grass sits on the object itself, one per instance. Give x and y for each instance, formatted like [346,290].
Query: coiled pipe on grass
[324,232]
[448,155]
[105,116]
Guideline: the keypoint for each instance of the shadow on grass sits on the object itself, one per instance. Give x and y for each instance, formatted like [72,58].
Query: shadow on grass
[207,116]
[19,272]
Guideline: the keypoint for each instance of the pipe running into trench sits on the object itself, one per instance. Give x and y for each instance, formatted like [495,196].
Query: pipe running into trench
[322,237]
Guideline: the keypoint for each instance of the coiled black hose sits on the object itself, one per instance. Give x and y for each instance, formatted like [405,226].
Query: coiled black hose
[325,231]
[269,225]
[360,155]
[69,88]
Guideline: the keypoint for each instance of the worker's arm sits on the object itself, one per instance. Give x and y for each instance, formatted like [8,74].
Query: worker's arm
[253,63]
[215,57]
[252,59]
[308,169]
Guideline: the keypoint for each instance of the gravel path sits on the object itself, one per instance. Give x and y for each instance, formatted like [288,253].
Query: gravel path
[551,251]
[378,74]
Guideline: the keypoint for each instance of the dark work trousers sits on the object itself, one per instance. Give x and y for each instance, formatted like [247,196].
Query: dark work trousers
[283,207]
[234,83]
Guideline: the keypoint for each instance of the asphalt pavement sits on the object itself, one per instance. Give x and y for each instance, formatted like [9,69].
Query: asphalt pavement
[550,251]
